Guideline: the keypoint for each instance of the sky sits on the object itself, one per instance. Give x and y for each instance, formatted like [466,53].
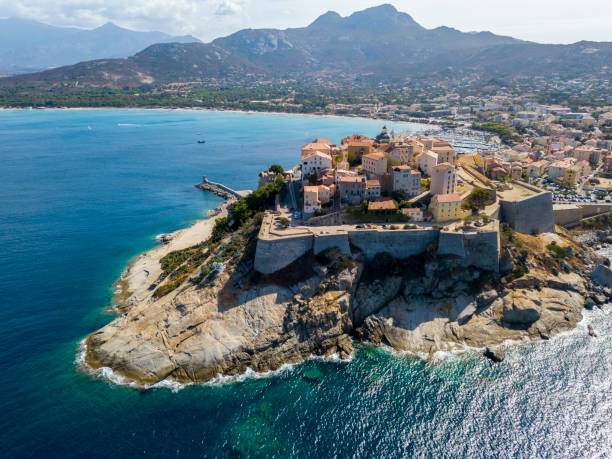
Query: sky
[544,21]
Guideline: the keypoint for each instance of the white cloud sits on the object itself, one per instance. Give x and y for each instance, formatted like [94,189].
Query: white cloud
[559,21]
[228,8]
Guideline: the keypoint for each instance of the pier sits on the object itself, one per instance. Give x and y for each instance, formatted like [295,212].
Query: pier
[221,190]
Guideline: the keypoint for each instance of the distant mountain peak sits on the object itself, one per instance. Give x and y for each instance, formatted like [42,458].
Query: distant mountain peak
[329,18]
[109,26]
[384,8]
[382,15]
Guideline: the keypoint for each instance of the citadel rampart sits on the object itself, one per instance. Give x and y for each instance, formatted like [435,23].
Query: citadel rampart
[399,243]
[277,248]
[479,249]
[529,214]
[571,214]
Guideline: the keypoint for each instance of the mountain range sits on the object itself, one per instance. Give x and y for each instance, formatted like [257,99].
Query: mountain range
[369,46]
[28,46]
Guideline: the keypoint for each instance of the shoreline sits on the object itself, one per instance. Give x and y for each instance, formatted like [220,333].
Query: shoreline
[133,286]
[428,121]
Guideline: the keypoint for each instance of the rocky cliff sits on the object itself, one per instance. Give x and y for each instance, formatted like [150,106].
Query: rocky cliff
[225,322]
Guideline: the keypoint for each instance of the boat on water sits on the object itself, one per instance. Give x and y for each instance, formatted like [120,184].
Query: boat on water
[201,141]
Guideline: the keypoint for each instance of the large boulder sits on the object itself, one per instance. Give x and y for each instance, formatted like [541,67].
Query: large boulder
[521,310]
[495,354]
[602,275]
[372,297]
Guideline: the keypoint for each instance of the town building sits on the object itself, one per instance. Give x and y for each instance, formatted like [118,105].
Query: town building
[316,161]
[426,161]
[537,169]
[570,176]
[383,206]
[401,153]
[446,207]
[372,190]
[325,141]
[374,164]
[358,145]
[352,189]
[407,180]
[557,169]
[443,179]
[583,152]
[311,199]
[584,168]
[316,146]
[359,149]
[608,164]
[516,172]
[383,137]
[266,177]
[317,196]
[446,154]
[416,214]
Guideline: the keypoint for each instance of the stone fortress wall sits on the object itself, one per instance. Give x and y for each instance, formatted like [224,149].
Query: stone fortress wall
[571,214]
[531,213]
[478,248]
[399,243]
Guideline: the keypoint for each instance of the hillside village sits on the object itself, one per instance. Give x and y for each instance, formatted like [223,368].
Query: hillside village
[405,184]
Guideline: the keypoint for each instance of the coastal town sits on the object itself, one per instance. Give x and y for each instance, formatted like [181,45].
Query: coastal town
[422,241]
[407,182]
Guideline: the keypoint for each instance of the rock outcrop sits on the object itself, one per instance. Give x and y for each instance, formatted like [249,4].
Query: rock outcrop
[221,323]
[225,327]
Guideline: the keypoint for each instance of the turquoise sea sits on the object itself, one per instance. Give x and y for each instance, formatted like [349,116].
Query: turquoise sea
[82,192]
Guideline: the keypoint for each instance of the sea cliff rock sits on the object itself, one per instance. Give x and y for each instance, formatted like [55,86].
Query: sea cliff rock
[199,333]
[223,321]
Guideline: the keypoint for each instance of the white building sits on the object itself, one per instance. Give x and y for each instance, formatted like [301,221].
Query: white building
[426,161]
[316,161]
[374,164]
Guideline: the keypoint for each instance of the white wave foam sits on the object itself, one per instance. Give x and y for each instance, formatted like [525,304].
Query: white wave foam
[109,375]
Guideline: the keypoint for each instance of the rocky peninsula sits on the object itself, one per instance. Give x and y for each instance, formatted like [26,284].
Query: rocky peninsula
[196,308]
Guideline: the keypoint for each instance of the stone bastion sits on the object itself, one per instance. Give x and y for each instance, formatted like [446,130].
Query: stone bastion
[279,247]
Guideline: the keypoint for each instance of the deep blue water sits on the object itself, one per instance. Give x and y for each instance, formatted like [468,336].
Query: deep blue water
[77,204]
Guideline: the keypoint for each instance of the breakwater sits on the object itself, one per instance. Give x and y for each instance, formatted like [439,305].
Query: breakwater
[219,189]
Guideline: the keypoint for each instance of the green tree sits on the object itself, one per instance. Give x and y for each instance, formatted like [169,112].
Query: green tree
[479,198]
[353,160]
[276,168]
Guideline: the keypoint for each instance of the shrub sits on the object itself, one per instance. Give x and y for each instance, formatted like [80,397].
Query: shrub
[220,229]
[353,160]
[518,272]
[335,260]
[559,252]
[284,222]
[277,168]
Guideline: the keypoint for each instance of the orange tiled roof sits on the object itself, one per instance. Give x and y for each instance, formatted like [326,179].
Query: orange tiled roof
[453,197]
[388,204]
[374,156]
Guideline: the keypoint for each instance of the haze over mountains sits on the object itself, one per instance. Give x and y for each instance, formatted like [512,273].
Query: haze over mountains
[377,44]
[28,46]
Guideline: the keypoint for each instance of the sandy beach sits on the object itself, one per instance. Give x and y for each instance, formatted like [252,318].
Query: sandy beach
[133,286]
[425,121]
